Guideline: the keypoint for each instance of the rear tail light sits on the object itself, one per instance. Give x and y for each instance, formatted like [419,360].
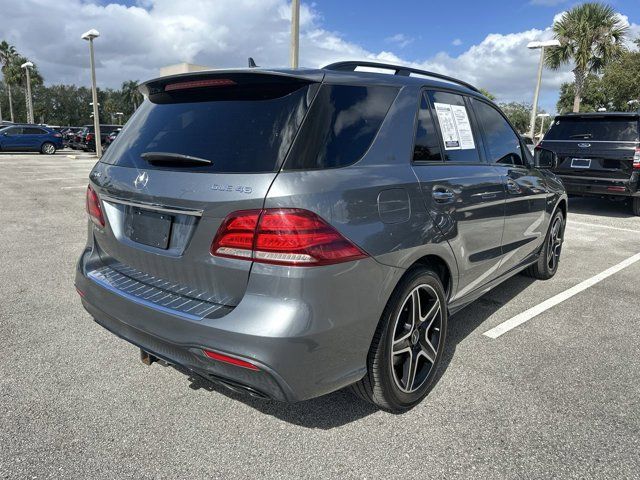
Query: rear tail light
[284,237]
[89,137]
[636,159]
[57,135]
[217,82]
[93,207]
[230,360]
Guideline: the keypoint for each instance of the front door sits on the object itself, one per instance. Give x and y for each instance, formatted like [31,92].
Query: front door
[464,195]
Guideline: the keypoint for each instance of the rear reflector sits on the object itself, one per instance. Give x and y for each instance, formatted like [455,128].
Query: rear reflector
[617,189]
[217,82]
[93,207]
[230,360]
[282,236]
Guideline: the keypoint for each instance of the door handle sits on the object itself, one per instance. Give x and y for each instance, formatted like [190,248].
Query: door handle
[442,195]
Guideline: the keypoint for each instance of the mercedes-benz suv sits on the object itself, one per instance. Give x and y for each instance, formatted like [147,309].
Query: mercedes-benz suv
[288,233]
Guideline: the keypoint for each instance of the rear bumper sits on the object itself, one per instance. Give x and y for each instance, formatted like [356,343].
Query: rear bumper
[306,341]
[602,186]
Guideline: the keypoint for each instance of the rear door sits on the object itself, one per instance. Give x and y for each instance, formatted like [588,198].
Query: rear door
[464,194]
[594,149]
[33,137]
[162,215]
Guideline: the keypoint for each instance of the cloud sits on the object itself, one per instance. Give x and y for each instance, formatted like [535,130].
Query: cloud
[456,42]
[137,40]
[400,39]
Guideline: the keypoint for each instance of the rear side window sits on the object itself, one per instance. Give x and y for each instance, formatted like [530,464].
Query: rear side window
[501,142]
[32,131]
[615,129]
[427,142]
[340,126]
[455,127]
[242,128]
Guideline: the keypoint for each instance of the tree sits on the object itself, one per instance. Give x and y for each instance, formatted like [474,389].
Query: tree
[591,36]
[131,95]
[7,55]
[519,114]
[487,94]
[594,96]
[621,81]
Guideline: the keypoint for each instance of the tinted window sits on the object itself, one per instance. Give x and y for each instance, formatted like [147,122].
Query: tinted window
[341,124]
[32,131]
[236,133]
[455,127]
[501,142]
[619,129]
[13,131]
[427,142]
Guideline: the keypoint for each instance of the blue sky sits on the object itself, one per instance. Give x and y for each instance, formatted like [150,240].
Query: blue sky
[481,41]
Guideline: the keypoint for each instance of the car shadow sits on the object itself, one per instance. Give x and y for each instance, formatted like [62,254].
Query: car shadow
[342,407]
[601,207]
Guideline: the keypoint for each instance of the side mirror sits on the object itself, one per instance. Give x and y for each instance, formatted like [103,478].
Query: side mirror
[544,158]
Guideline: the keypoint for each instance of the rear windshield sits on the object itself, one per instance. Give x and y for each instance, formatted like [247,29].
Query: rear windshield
[238,132]
[618,129]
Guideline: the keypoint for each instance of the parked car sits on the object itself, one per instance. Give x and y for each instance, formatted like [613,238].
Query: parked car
[30,138]
[88,142]
[68,135]
[77,138]
[289,233]
[110,138]
[598,154]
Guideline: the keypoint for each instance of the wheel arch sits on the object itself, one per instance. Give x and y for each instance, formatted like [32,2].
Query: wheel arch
[441,268]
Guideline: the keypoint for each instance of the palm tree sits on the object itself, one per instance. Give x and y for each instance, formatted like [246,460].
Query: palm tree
[130,93]
[591,35]
[7,55]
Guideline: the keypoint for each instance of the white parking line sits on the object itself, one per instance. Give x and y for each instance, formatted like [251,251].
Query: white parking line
[57,178]
[73,188]
[527,315]
[573,222]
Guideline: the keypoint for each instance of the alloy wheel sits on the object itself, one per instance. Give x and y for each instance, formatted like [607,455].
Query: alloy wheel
[49,149]
[416,338]
[555,244]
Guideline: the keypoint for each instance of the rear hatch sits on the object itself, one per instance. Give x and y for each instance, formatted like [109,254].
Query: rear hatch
[594,148]
[200,147]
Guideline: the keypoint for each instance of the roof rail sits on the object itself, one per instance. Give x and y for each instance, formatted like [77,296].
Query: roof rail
[351,66]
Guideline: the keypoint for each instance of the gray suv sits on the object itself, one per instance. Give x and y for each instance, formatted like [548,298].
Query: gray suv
[287,233]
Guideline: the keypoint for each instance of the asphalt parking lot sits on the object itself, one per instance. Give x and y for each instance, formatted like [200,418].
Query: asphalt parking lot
[556,396]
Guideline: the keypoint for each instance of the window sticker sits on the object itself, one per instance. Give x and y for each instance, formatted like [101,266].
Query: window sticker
[455,126]
[464,127]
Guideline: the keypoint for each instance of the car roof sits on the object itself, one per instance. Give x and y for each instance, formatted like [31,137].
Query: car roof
[397,75]
[599,115]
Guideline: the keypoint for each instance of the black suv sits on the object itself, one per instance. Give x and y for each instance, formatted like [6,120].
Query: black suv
[598,154]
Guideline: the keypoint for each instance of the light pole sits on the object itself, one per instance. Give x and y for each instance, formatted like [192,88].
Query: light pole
[27,66]
[90,35]
[295,32]
[534,108]
[542,116]
[119,115]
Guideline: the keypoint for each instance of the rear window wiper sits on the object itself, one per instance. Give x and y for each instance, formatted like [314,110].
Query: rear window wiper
[174,158]
[582,135]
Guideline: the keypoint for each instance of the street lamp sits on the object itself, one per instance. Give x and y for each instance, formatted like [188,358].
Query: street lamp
[541,46]
[89,36]
[295,32]
[542,116]
[119,115]
[27,66]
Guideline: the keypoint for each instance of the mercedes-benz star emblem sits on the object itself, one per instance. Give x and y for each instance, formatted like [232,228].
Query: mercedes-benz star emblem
[141,180]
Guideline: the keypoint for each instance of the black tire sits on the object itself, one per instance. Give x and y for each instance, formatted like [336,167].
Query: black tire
[382,384]
[636,206]
[48,148]
[547,264]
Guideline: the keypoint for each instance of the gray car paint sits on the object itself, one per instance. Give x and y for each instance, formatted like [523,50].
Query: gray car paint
[309,328]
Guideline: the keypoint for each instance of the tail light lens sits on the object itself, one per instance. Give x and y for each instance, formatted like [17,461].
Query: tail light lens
[89,137]
[282,236]
[636,159]
[93,207]
[57,135]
